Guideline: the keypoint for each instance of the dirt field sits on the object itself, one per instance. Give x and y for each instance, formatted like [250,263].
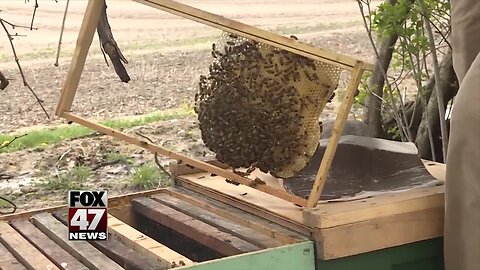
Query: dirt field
[166,56]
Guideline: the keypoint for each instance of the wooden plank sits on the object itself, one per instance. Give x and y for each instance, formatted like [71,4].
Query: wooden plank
[253,33]
[247,199]
[182,169]
[143,244]
[7,261]
[194,229]
[337,214]
[294,256]
[244,218]
[23,251]
[218,221]
[84,40]
[379,233]
[337,131]
[120,253]
[53,251]
[81,250]
[193,162]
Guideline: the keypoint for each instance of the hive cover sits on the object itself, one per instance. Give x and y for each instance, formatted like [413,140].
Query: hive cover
[259,106]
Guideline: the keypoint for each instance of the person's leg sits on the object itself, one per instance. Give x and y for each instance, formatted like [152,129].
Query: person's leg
[462,218]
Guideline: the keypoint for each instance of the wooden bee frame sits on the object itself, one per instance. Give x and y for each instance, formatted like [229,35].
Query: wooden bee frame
[85,37]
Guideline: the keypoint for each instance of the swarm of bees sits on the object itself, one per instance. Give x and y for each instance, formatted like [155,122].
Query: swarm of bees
[259,106]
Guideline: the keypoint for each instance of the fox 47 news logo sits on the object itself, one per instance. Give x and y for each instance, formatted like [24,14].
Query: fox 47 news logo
[87,215]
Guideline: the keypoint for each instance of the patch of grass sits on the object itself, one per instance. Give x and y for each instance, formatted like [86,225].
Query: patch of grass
[82,173]
[49,136]
[4,204]
[148,176]
[59,183]
[116,156]
[73,179]
[298,29]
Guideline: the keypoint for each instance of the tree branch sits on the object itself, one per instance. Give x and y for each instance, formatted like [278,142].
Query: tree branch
[61,33]
[12,140]
[35,7]
[436,71]
[25,83]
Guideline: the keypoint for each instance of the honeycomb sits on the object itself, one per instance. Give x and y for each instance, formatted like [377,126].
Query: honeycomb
[259,106]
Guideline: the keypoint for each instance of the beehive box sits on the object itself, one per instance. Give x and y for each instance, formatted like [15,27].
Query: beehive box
[162,229]
[399,231]
[206,223]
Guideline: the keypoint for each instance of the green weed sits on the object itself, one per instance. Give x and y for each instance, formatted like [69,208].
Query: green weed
[148,176]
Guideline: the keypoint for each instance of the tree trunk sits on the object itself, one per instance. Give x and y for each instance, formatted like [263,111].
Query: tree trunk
[373,109]
[449,87]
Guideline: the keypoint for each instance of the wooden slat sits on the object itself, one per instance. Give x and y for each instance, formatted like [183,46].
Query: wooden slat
[143,244]
[193,162]
[244,218]
[218,221]
[81,250]
[7,261]
[182,169]
[253,33]
[23,251]
[248,199]
[120,253]
[53,251]
[84,40]
[194,229]
[337,131]
[336,214]
[379,233]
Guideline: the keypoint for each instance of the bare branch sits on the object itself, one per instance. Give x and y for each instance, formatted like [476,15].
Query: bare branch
[25,83]
[17,26]
[61,33]
[9,202]
[155,155]
[12,140]
[35,7]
